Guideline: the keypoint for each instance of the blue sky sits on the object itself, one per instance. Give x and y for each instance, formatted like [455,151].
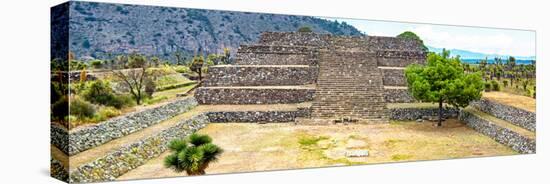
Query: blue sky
[484,40]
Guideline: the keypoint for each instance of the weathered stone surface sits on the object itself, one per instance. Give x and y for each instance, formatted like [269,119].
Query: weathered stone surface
[88,137]
[514,115]
[407,114]
[59,136]
[357,153]
[254,95]
[349,88]
[114,164]
[503,135]
[276,55]
[58,171]
[398,95]
[257,116]
[257,75]
[394,77]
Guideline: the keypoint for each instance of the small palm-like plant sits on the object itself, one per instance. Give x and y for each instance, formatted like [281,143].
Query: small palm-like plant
[192,155]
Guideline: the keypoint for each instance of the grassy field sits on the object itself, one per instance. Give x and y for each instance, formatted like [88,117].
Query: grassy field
[518,101]
[254,147]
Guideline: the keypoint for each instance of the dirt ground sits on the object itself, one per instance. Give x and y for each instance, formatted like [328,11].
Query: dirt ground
[260,147]
[518,101]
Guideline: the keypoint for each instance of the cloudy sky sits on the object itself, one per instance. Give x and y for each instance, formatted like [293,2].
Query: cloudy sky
[484,40]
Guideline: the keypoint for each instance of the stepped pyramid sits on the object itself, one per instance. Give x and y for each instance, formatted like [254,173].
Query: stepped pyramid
[341,76]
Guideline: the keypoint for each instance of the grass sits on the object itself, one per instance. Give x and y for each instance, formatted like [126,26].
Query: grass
[518,101]
[162,96]
[254,147]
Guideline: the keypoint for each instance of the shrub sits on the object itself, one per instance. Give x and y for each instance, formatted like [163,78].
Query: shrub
[60,109]
[495,86]
[100,92]
[192,155]
[96,64]
[182,69]
[305,29]
[81,108]
[105,113]
[487,87]
[505,83]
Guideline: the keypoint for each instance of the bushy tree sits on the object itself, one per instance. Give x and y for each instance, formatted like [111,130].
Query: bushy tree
[197,64]
[192,155]
[305,29]
[136,77]
[443,80]
[413,36]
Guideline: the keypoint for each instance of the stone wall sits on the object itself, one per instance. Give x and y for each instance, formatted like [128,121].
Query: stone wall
[115,164]
[88,137]
[275,55]
[254,95]
[514,115]
[516,141]
[293,39]
[59,137]
[407,114]
[243,75]
[394,77]
[257,116]
[58,171]
[398,95]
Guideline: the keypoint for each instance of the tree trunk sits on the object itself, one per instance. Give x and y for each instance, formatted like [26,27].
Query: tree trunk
[440,112]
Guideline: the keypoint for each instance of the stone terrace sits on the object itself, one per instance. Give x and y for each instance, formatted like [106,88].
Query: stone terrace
[343,76]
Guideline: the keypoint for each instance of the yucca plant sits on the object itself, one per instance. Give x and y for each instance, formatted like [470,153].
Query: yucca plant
[192,155]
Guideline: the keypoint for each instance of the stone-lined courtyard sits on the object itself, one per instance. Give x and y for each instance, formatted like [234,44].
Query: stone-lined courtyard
[275,146]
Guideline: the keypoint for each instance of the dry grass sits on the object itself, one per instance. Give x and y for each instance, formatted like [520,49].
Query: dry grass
[254,147]
[518,101]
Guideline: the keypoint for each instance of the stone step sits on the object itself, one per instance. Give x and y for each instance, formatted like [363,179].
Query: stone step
[256,75]
[253,113]
[254,94]
[116,157]
[275,55]
[504,132]
[393,76]
[397,94]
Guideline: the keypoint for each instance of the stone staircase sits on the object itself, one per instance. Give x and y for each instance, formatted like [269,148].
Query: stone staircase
[349,86]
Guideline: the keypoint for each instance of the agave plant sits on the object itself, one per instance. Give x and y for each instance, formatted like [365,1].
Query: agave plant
[192,155]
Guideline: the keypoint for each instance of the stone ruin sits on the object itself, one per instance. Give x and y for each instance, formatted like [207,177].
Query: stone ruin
[343,77]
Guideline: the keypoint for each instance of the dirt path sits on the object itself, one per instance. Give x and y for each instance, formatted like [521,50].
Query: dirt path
[253,147]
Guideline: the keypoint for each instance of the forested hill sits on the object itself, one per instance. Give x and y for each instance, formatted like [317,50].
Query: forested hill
[98,30]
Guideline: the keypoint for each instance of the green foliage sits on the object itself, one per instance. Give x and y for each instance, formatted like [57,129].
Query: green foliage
[305,29]
[197,64]
[77,65]
[505,83]
[182,69]
[100,92]
[192,155]
[80,108]
[443,80]
[105,113]
[487,86]
[495,86]
[60,109]
[413,36]
[96,64]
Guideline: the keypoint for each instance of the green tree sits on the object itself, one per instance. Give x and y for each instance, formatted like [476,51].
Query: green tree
[192,155]
[197,64]
[305,29]
[411,35]
[443,80]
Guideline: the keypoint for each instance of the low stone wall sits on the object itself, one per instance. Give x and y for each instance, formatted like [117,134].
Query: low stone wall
[89,137]
[115,164]
[406,114]
[394,77]
[398,95]
[235,75]
[399,61]
[502,135]
[57,170]
[230,95]
[59,136]
[257,116]
[514,115]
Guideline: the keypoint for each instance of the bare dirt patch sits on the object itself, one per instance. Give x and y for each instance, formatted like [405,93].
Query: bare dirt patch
[255,147]
[518,101]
